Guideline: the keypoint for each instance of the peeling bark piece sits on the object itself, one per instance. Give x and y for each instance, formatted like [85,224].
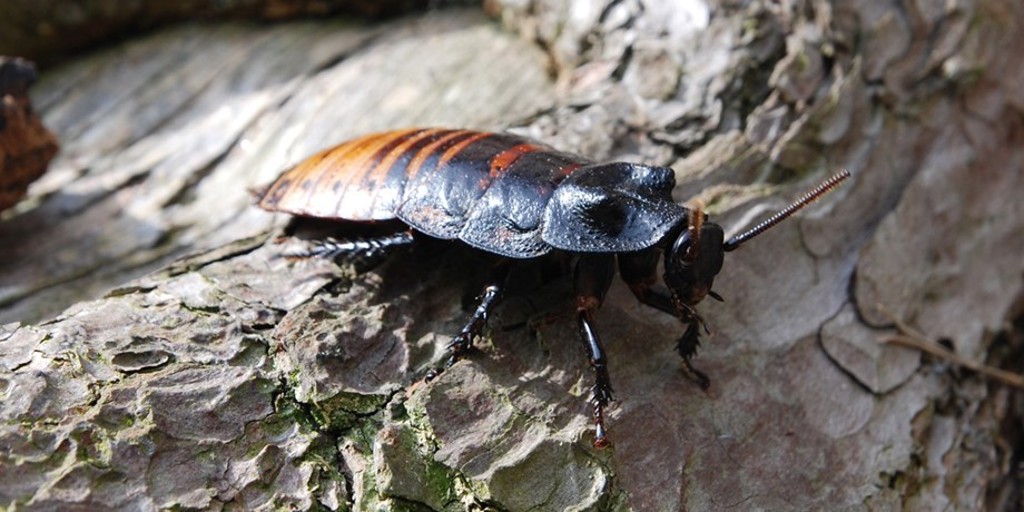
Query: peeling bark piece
[854,346]
[948,260]
[26,146]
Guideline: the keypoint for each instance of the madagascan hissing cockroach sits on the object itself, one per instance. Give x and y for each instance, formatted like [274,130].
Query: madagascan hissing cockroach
[518,198]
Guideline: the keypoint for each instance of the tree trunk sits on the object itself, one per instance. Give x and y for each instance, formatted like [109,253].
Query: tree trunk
[162,353]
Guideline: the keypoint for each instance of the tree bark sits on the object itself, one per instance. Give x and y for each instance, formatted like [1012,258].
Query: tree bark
[213,373]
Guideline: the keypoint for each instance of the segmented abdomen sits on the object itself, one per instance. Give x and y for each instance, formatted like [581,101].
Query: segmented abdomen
[487,189]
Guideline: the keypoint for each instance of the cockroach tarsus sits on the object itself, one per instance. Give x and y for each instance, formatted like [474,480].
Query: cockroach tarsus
[521,199]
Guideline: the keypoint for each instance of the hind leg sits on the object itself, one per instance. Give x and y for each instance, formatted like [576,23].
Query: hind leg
[356,247]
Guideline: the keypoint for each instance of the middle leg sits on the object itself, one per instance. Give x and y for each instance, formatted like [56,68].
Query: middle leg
[488,300]
[593,276]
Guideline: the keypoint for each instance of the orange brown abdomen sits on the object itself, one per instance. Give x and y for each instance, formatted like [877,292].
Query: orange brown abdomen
[489,190]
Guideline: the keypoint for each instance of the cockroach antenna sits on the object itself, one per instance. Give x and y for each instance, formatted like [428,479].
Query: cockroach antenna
[788,211]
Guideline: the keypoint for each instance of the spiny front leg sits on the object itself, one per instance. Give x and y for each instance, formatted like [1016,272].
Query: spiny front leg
[639,271]
[688,343]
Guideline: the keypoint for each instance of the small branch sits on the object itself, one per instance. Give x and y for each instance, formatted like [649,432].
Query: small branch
[911,338]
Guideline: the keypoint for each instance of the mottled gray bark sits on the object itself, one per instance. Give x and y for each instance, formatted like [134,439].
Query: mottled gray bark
[215,374]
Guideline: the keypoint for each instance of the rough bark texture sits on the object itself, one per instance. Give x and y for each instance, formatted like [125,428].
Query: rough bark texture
[232,378]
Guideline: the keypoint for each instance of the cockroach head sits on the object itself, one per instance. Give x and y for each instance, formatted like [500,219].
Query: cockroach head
[694,259]
[698,250]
